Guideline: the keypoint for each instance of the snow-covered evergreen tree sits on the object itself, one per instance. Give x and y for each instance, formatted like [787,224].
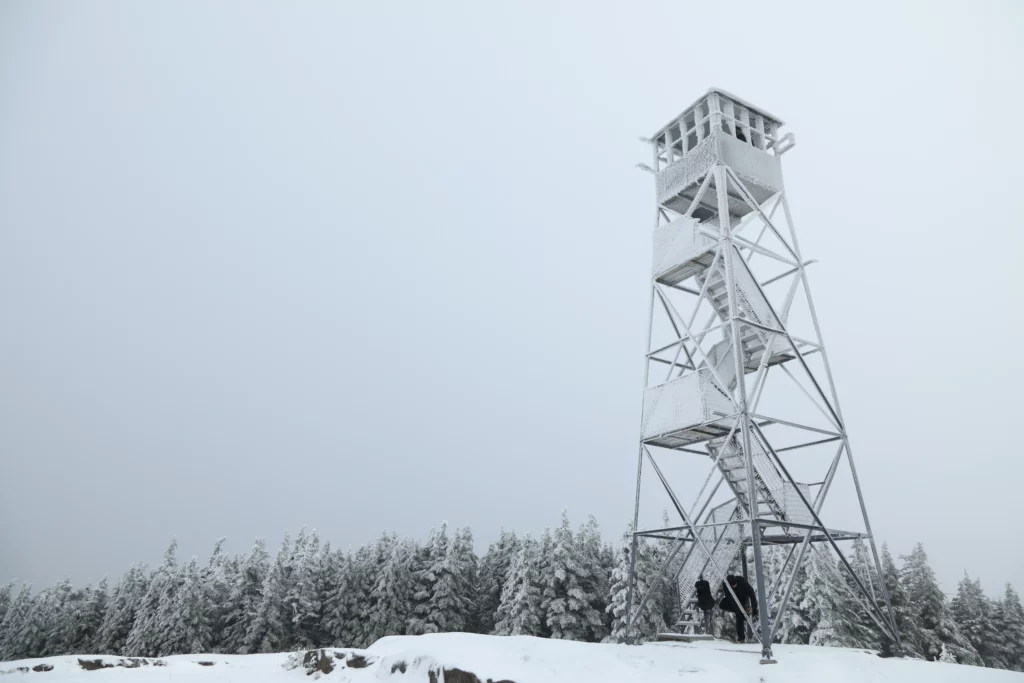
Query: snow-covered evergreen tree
[310,596]
[823,609]
[667,596]
[903,612]
[450,605]
[861,627]
[218,578]
[796,626]
[303,597]
[651,620]
[818,606]
[391,597]
[167,623]
[92,607]
[14,619]
[362,572]
[999,652]
[270,630]
[467,576]
[595,581]
[931,612]
[31,637]
[519,610]
[494,570]
[244,598]
[1013,626]
[122,608]
[973,615]
[61,616]
[336,605]
[6,596]
[424,568]
[151,624]
[568,607]
[190,627]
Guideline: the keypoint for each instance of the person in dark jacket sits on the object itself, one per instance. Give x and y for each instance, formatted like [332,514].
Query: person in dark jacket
[748,603]
[705,602]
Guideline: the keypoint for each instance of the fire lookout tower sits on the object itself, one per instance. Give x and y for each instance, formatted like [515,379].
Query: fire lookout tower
[737,385]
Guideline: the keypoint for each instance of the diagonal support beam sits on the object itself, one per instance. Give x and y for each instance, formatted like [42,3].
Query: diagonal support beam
[828,535]
[700,541]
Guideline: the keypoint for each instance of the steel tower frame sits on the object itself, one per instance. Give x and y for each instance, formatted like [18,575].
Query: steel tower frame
[718,183]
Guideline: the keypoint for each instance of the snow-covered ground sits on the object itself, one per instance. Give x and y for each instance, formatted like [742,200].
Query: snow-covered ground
[519,659]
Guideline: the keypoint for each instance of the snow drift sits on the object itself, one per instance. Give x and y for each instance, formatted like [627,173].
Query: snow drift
[468,658]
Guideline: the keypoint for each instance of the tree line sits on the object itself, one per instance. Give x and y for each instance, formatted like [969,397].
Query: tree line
[566,584]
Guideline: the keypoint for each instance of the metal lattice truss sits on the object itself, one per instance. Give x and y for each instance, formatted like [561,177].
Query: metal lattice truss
[737,380]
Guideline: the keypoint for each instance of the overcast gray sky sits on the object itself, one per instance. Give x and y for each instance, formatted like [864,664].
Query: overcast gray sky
[367,266]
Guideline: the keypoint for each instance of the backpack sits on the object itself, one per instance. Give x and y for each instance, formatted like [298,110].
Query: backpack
[705,600]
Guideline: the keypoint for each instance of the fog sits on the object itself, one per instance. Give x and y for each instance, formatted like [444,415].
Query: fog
[368,266]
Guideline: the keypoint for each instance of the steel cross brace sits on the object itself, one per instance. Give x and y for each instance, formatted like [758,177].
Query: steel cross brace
[686,518]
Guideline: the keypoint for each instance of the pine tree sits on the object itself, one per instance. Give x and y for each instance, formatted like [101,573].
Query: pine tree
[92,608]
[424,568]
[651,620]
[217,580]
[494,570]
[122,608]
[519,610]
[362,570]
[167,623]
[14,619]
[970,609]
[931,612]
[902,610]
[337,614]
[303,597]
[862,629]
[449,605]
[148,630]
[61,616]
[189,631]
[270,628]
[818,607]
[997,652]
[391,597]
[568,608]
[595,582]
[1014,628]
[795,626]
[31,637]
[244,598]
[467,576]
[6,596]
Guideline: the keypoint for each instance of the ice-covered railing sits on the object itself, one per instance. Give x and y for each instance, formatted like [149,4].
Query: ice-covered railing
[717,110]
[767,477]
[723,542]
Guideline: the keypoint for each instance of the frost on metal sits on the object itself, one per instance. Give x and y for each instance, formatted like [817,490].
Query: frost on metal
[737,382]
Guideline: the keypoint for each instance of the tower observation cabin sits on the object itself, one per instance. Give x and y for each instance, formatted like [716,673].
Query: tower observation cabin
[718,128]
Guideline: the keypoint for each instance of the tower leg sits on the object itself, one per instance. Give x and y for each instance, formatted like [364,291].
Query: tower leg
[627,635]
[846,442]
[728,254]
[762,601]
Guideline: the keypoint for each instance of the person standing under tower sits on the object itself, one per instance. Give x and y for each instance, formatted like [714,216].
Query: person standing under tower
[748,603]
[705,603]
